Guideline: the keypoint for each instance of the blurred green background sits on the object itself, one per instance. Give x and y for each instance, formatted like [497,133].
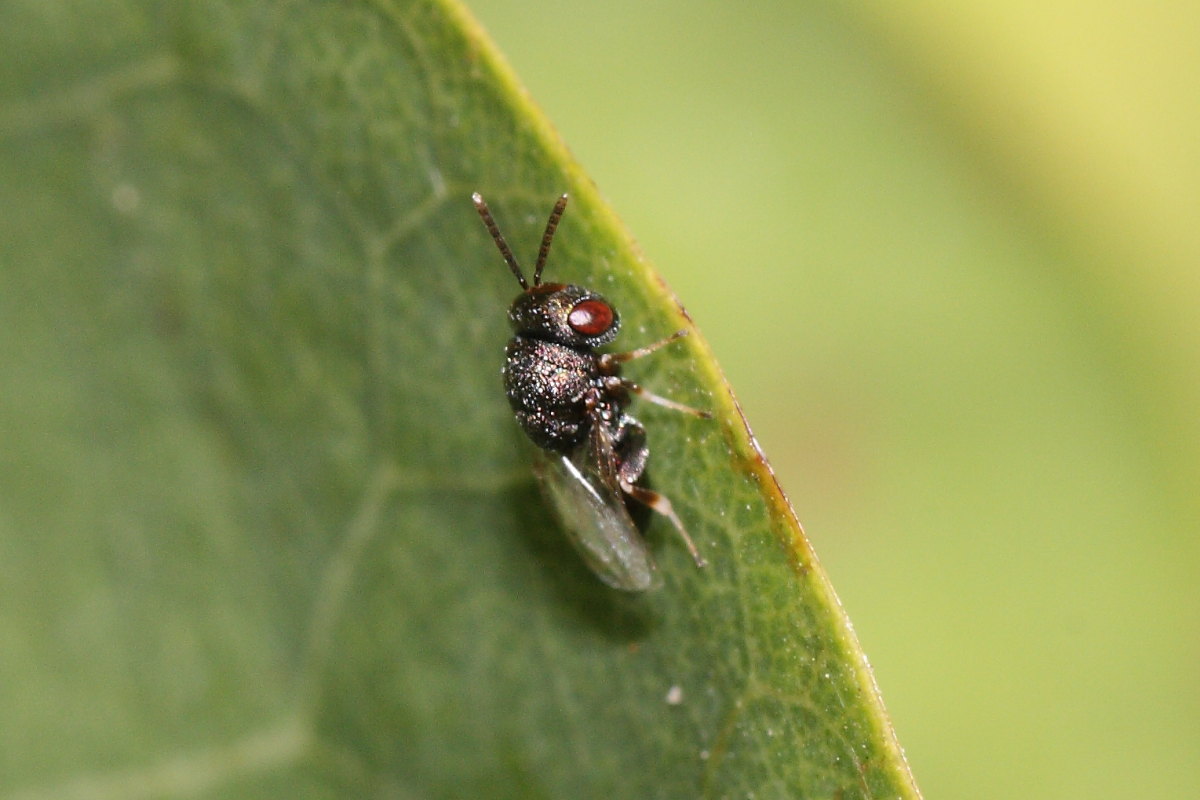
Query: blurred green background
[948,258]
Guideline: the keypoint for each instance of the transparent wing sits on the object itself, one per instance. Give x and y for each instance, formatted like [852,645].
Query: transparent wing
[593,513]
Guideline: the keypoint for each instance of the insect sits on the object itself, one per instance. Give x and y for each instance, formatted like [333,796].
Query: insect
[570,401]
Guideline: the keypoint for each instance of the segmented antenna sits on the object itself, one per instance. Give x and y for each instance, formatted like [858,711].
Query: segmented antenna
[498,238]
[547,238]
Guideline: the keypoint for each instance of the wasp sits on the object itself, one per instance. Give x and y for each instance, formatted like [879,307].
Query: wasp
[570,400]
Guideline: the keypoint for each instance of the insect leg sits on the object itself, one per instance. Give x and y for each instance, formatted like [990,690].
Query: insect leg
[614,382]
[660,503]
[609,359]
[630,448]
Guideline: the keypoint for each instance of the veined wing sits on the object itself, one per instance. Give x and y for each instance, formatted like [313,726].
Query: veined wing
[593,513]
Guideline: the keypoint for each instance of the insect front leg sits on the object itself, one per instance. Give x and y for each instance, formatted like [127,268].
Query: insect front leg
[619,358]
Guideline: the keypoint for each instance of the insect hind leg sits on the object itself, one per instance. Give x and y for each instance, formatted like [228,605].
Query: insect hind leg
[661,504]
[629,446]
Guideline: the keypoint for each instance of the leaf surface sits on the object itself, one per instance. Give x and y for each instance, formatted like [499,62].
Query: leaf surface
[267,527]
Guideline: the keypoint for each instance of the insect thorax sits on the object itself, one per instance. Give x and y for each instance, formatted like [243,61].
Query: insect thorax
[549,386]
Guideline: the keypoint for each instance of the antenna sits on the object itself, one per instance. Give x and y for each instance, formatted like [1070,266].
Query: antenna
[548,237]
[505,251]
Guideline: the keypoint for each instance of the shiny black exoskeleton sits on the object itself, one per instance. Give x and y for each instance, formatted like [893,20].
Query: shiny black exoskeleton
[557,385]
[569,399]
[553,377]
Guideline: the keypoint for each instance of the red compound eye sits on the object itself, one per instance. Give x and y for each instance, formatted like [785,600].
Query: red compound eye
[590,317]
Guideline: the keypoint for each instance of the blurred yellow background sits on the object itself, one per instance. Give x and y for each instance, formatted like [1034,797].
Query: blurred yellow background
[949,258]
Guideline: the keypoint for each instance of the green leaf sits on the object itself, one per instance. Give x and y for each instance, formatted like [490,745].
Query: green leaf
[267,527]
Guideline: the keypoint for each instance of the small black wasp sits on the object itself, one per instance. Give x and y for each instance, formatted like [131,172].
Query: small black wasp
[571,400]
